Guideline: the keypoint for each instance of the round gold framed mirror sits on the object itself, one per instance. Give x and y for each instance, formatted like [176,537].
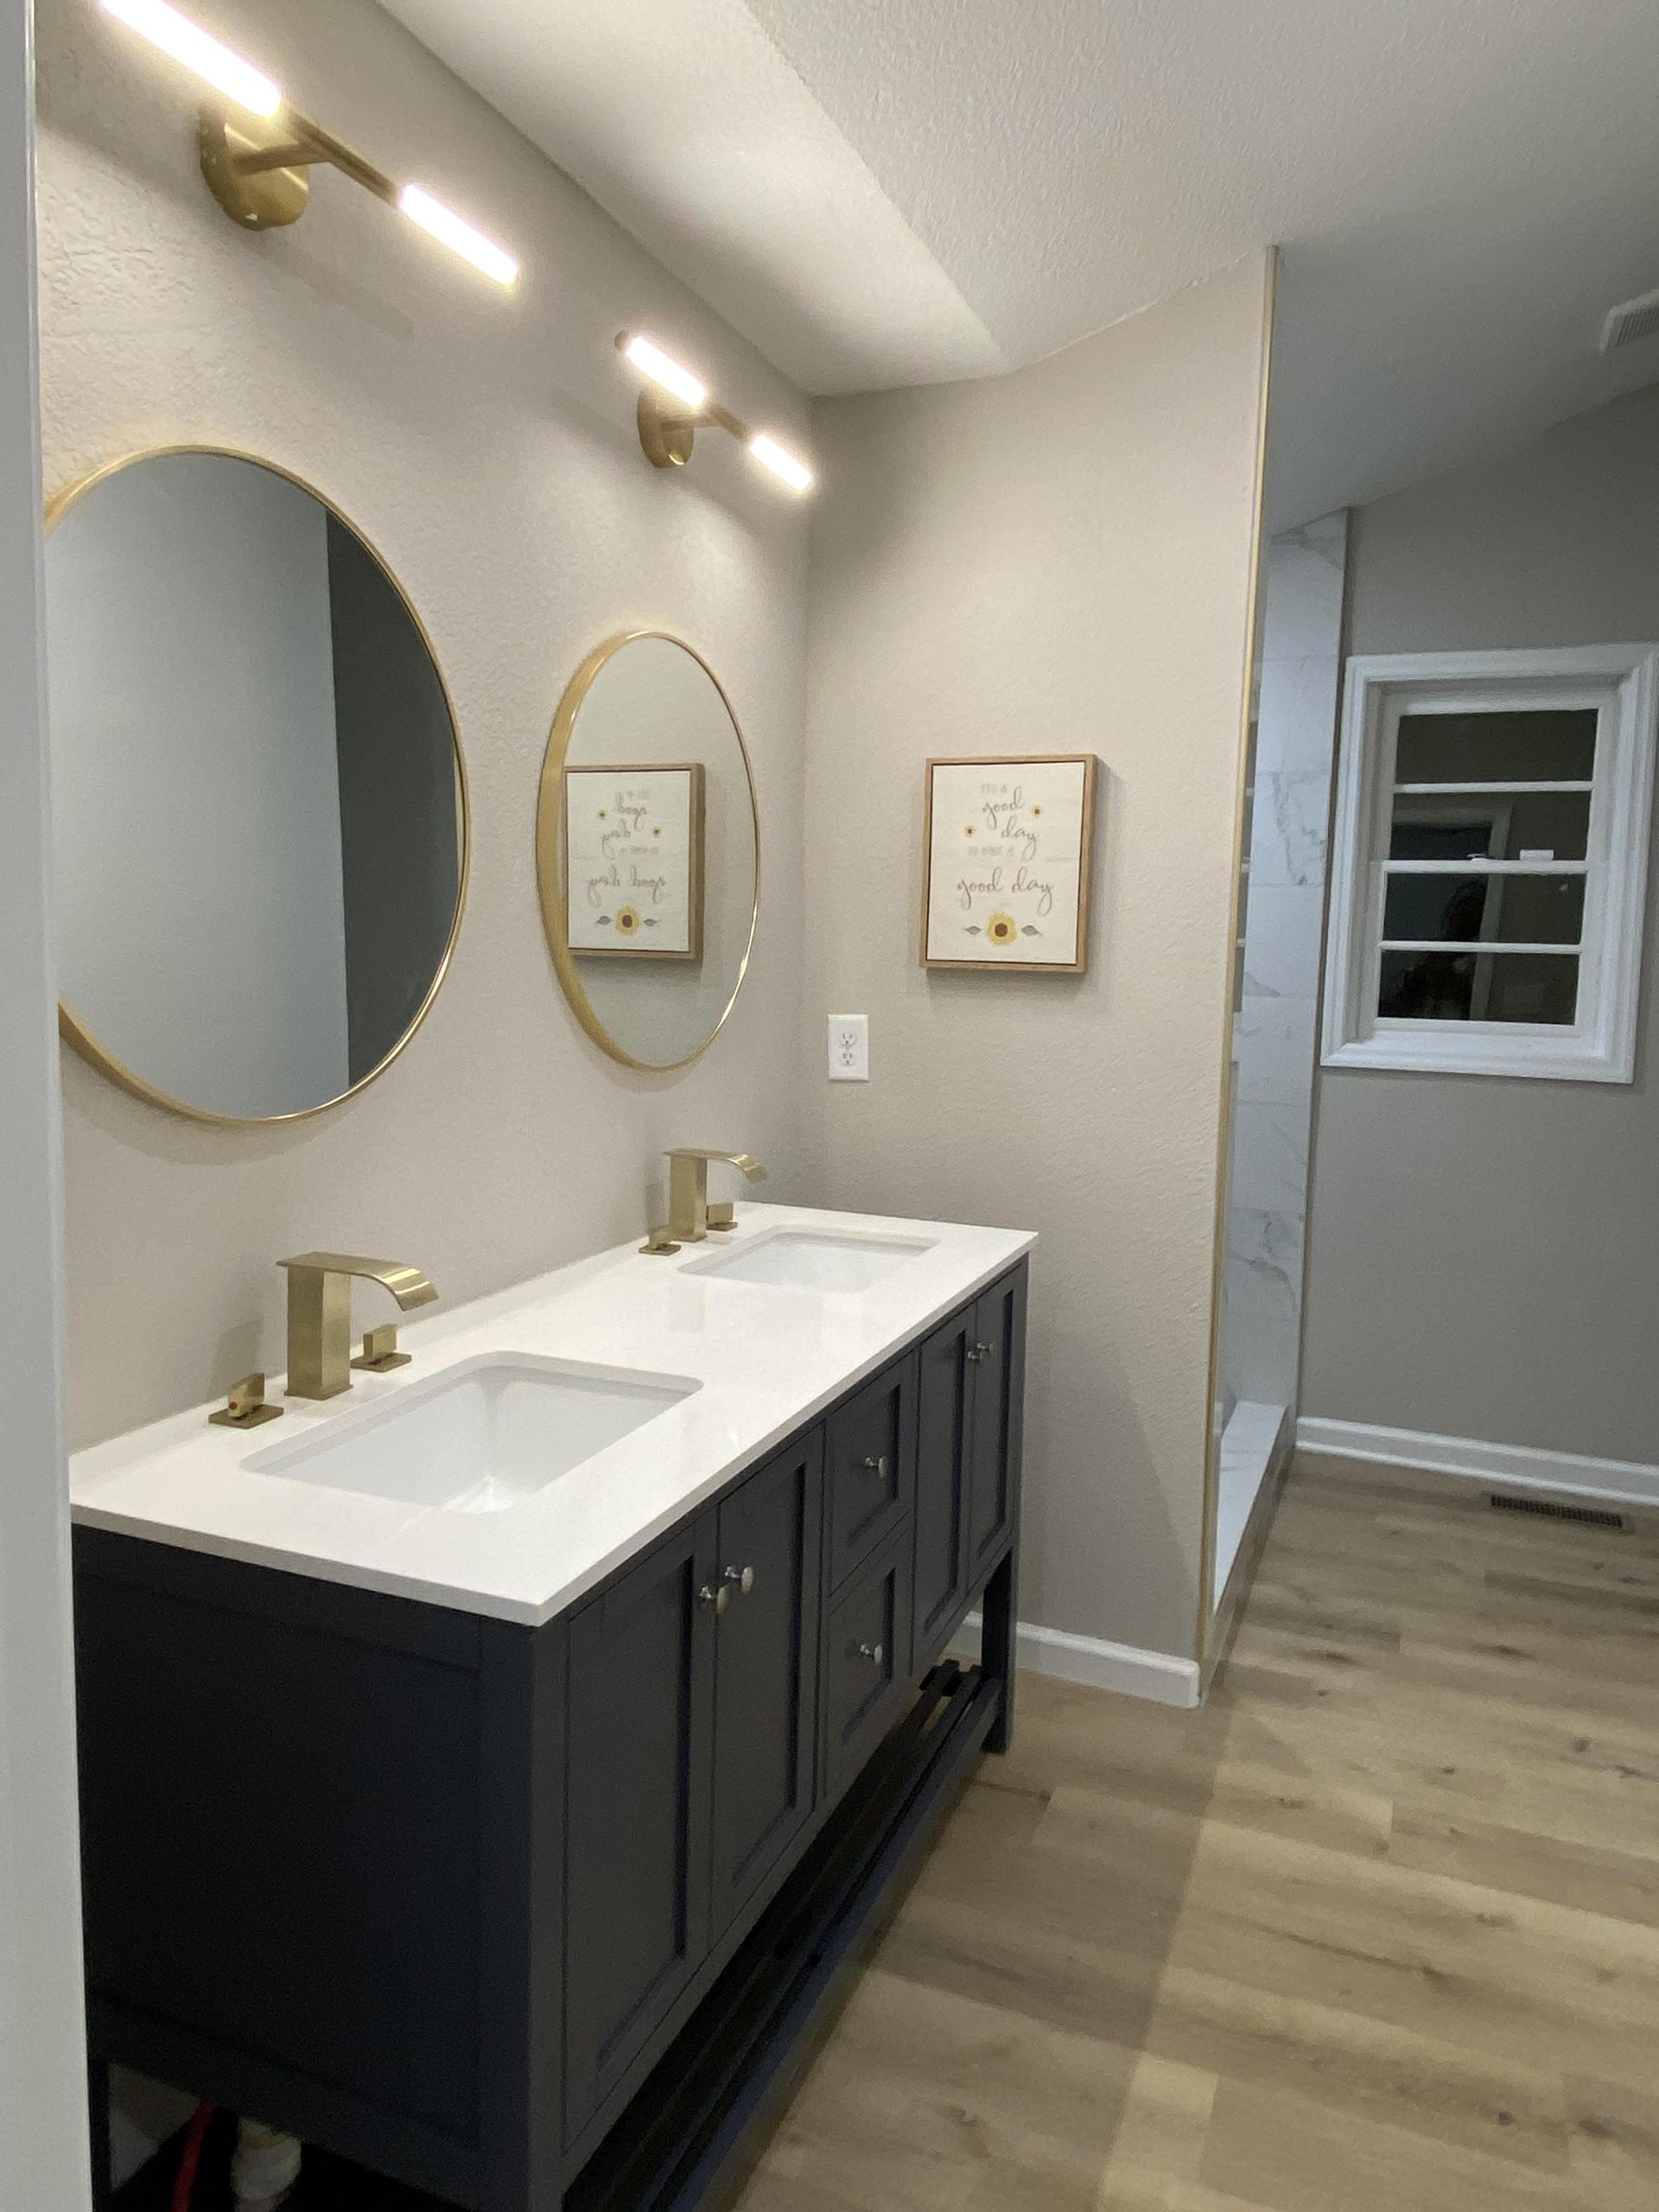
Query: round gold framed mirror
[648,850]
[261,829]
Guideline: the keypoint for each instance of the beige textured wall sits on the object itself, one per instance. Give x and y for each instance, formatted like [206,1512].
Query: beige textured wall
[486,445]
[1483,1254]
[1055,560]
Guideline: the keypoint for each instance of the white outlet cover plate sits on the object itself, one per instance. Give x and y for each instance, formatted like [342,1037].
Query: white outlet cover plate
[849,1048]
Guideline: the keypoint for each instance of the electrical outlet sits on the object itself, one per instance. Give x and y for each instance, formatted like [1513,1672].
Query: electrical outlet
[849,1048]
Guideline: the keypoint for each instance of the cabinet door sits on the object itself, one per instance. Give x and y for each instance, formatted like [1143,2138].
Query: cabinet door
[641,1724]
[997,1356]
[944,1386]
[766,1671]
[872,1468]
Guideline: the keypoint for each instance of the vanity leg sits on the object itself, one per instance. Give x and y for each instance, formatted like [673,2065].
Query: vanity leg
[97,2123]
[997,1654]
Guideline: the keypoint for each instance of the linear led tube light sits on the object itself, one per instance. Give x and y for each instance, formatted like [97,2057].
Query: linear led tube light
[770,454]
[258,163]
[663,370]
[667,432]
[461,238]
[203,55]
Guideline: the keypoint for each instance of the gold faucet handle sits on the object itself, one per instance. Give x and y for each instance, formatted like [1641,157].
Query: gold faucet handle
[380,1354]
[659,1244]
[723,1215]
[245,1406]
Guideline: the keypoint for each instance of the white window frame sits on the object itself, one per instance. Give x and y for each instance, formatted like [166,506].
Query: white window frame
[1623,682]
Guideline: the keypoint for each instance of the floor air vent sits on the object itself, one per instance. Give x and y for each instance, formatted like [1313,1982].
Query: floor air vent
[1593,1516]
[1632,320]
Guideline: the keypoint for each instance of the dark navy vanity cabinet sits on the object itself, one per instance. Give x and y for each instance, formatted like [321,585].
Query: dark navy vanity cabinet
[538,1918]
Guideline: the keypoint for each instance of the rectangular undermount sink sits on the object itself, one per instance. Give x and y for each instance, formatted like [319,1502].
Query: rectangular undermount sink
[812,1259]
[482,1436]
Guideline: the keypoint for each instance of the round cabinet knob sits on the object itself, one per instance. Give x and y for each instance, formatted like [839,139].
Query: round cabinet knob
[878,1467]
[718,1599]
[743,1577]
[875,1653]
[981,1351]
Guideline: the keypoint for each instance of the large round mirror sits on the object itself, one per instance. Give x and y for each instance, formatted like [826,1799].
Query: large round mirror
[648,850]
[259,804]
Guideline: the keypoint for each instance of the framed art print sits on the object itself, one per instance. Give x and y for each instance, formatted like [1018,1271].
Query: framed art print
[1007,844]
[633,861]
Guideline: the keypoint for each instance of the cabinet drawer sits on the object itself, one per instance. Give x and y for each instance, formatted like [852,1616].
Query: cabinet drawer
[865,1670]
[872,1468]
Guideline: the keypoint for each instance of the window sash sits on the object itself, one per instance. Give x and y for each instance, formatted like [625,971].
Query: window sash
[1618,684]
[1511,697]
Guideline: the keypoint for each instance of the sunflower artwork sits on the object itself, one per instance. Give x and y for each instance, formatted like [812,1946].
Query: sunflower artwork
[633,861]
[1008,847]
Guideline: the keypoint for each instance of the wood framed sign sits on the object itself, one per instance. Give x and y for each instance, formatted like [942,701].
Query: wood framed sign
[1008,843]
[633,861]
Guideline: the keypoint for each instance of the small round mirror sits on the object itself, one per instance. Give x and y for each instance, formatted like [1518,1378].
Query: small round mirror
[648,850]
[259,804]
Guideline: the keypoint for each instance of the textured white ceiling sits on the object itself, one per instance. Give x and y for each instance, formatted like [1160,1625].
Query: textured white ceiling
[687,125]
[887,192]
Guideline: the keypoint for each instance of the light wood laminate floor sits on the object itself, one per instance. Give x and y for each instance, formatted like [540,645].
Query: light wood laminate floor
[1376,1931]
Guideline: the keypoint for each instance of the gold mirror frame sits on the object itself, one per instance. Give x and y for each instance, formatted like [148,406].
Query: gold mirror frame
[70,1027]
[549,809]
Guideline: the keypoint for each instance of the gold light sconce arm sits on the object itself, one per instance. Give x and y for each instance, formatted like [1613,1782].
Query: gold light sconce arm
[258,171]
[674,405]
[257,150]
[668,428]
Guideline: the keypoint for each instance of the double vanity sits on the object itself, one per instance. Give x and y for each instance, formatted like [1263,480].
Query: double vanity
[491,1773]
[497,1747]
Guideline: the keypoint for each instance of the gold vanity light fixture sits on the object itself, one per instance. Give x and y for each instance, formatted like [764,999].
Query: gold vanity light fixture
[257,164]
[676,404]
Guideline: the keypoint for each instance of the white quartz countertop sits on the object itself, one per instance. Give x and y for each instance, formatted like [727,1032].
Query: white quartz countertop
[765,1360]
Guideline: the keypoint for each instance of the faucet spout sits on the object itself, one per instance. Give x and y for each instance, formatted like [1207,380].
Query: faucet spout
[408,1285]
[319,1313]
[690,1216]
[750,1165]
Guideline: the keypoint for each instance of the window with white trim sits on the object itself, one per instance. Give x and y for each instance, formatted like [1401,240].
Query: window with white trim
[1488,869]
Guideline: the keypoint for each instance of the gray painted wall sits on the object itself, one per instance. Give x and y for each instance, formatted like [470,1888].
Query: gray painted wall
[1055,560]
[485,444]
[1483,1254]
[42,2030]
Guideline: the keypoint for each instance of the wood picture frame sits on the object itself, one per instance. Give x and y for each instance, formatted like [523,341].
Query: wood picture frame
[651,855]
[1024,908]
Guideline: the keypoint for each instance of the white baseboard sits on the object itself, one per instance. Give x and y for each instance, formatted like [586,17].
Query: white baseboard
[1157,1675]
[1518,1466]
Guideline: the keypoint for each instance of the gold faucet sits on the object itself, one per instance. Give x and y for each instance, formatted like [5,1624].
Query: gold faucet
[691,1216]
[319,1318]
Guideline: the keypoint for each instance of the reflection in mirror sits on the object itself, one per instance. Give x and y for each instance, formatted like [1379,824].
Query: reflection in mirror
[647,850]
[259,808]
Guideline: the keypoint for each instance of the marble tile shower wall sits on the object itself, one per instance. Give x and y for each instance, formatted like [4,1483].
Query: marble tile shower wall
[1276,1037]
